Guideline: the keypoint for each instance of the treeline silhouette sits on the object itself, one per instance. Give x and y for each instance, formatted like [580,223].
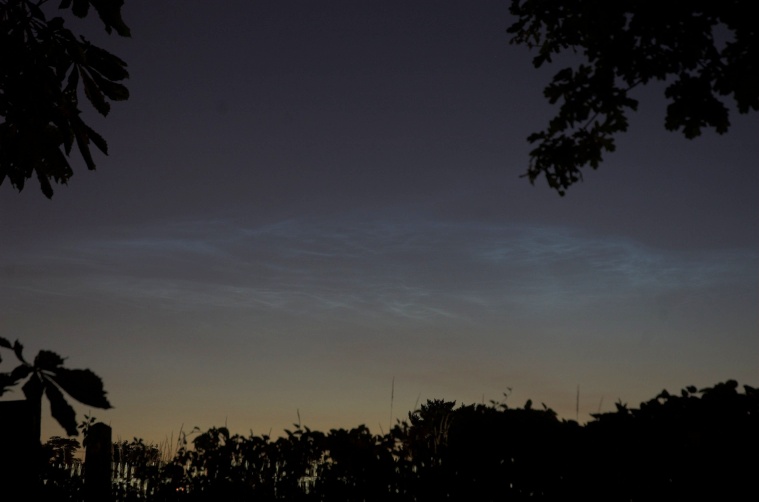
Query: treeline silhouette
[695,445]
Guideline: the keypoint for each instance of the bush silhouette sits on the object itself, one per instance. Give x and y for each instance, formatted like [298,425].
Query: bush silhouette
[673,447]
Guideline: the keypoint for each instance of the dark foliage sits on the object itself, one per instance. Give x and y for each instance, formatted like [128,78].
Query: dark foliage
[699,444]
[43,68]
[47,376]
[706,52]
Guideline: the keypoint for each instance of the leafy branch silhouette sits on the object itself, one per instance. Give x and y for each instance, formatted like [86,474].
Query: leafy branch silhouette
[44,67]
[47,376]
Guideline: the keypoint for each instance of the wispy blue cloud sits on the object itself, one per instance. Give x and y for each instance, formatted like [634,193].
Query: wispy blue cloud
[422,271]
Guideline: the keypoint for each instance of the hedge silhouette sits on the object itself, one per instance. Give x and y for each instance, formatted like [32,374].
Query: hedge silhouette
[673,447]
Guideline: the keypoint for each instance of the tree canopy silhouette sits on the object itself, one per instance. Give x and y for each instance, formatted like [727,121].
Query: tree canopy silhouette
[43,66]
[706,52]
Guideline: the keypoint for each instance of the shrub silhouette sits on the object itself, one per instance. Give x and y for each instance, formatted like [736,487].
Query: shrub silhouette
[673,447]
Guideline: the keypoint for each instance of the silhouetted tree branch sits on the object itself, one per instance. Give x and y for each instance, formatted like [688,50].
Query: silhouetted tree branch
[706,52]
[43,67]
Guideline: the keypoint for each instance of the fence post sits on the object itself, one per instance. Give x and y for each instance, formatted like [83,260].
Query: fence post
[19,448]
[97,464]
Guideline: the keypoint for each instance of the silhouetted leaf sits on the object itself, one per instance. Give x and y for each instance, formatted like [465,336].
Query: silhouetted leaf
[33,389]
[109,12]
[45,186]
[112,90]
[103,62]
[18,349]
[82,385]
[72,82]
[94,95]
[83,143]
[61,410]
[20,372]
[97,139]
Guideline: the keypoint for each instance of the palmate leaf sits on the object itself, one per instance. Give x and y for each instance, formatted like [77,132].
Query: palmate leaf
[61,410]
[48,377]
[82,385]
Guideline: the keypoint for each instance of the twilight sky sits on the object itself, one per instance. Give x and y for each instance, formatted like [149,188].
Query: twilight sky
[305,201]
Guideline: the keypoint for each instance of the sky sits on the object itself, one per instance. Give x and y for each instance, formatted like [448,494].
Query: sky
[313,212]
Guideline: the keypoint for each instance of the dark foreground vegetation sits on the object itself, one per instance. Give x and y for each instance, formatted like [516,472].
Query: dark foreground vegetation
[694,445]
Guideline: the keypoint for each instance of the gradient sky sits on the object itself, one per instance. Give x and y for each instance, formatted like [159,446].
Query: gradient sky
[306,201]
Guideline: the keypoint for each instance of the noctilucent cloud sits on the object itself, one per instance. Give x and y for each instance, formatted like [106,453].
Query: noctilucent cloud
[310,207]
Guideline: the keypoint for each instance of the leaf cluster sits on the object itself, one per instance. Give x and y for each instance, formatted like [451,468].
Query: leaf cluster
[47,376]
[43,68]
[706,52]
